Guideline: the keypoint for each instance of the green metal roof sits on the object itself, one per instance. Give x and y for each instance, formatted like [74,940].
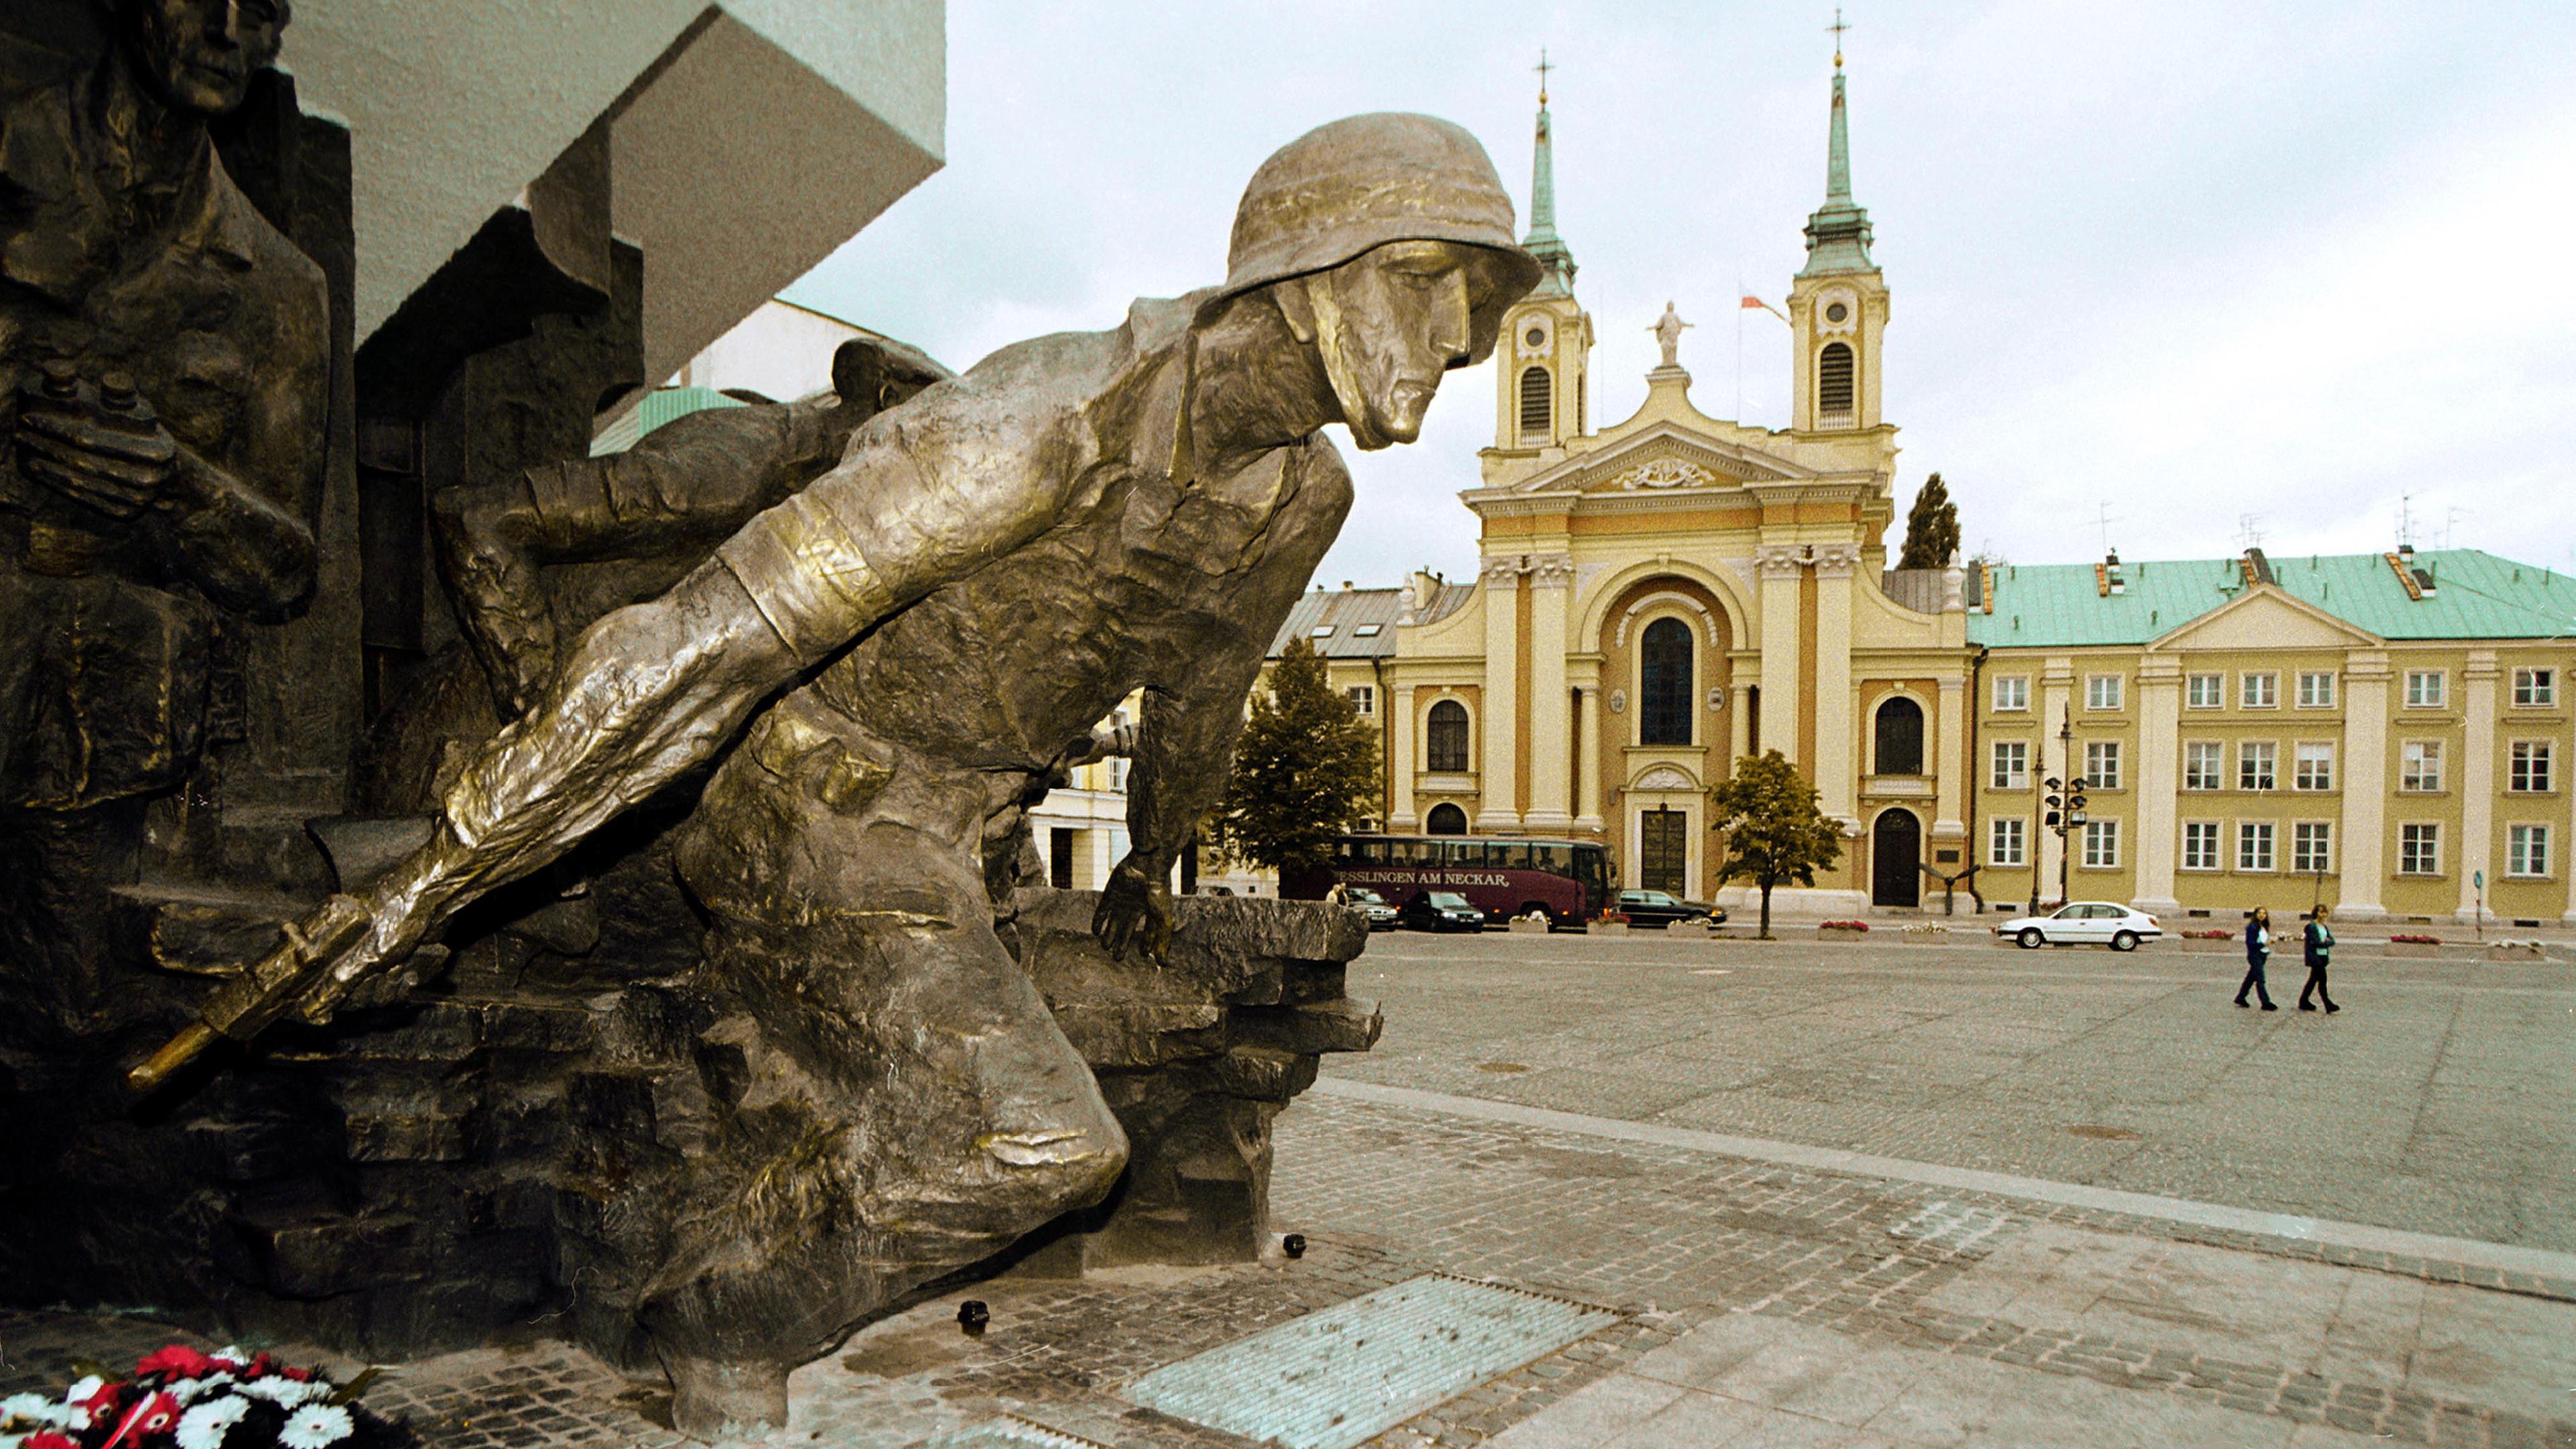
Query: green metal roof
[2475,596]
[658,407]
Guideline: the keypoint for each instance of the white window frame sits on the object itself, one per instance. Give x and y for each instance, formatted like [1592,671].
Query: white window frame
[2210,834]
[2428,689]
[2263,682]
[2004,829]
[2269,752]
[2526,851]
[2419,767]
[1363,698]
[2098,753]
[2320,697]
[2535,686]
[2317,752]
[2312,847]
[2018,777]
[2426,834]
[2105,693]
[2214,752]
[2204,691]
[2248,834]
[2016,699]
[2101,843]
[2531,768]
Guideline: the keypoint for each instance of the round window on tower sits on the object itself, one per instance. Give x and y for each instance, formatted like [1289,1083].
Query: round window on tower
[1536,337]
[1837,312]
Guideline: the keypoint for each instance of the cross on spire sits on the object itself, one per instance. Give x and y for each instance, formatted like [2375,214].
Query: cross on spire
[1543,68]
[1838,27]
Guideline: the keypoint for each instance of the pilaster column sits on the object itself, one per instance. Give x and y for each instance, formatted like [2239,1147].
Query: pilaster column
[1779,566]
[2156,781]
[1551,744]
[2477,777]
[2056,695]
[1837,743]
[1498,806]
[1589,811]
[2361,857]
[1954,773]
[1400,816]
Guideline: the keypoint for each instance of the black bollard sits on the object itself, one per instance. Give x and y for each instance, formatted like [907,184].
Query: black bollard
[1294,1245]
[972,1315]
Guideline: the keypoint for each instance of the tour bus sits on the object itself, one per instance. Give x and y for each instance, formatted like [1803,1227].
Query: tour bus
[1568,880]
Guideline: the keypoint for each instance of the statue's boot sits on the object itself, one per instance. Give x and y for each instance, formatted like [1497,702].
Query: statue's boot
[713,1400]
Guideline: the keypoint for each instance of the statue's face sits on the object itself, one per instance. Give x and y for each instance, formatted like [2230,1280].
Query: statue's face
[1405,317]
[199,55]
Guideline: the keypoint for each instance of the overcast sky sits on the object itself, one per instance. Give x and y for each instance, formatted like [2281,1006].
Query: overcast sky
[2180,261]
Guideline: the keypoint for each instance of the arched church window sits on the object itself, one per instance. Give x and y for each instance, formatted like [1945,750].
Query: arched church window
[1445,819]
[1537,395]
[1900,737]
[1664,684]
[1447,754]
[1835,379]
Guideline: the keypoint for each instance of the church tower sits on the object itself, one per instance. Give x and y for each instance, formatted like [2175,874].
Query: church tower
[1837,304]
[1541,391]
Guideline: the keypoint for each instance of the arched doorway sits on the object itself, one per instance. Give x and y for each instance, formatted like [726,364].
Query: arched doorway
[1445,820]
[1896,859]
[1663,851]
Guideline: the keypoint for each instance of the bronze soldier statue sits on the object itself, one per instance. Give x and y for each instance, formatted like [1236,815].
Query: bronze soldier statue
[163,368]
[894,654]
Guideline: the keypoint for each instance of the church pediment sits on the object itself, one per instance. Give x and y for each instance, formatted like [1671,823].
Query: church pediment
[1664,459]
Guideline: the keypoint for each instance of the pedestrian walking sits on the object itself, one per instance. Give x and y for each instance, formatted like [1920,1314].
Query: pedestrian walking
[2320,945]
[2258,951]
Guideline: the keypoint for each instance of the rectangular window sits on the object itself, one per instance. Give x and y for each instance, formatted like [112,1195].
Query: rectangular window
[2102,691]
[2419,850]
[2202,764]
[2419,766]
[2535,688]
[2012,691]
[2316,689]
[2311,847]
[1363,698]
[2012,765]
[2258,691]
[2102,764]
[2200,845]
[2530,773]
[2258,765]
[2315,767]
[2254,844]
[2004,846]
[2427,688]
[2203,691]
[2526,850]
[2101,845]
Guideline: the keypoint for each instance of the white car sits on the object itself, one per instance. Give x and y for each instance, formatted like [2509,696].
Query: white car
[2083,923]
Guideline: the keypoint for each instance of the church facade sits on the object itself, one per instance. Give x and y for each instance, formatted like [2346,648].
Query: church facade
[1665,594]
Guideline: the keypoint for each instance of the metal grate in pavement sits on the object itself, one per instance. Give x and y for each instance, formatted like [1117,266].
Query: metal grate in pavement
[1339,1377]
[1008,1432]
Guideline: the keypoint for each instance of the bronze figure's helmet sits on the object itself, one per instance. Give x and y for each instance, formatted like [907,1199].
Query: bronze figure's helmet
[1363,181]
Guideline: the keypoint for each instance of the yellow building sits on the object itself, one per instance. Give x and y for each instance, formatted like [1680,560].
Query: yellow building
[1662,595]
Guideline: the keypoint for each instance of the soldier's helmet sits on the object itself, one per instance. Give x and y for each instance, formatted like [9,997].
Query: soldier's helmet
[1363,181]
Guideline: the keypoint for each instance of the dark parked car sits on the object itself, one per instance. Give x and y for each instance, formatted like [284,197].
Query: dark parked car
[1381,916]
[1662,908]
[1440,911]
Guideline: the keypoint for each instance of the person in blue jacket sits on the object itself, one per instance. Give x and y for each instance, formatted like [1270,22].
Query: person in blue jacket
[2258,952]
[2320,945]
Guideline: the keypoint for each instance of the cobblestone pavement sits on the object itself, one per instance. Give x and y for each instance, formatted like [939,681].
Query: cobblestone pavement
[1760,1303]
[2437,1101]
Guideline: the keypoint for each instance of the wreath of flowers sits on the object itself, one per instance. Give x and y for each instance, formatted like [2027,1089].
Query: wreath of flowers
[2414,940]
[1842,925]
[180,1398]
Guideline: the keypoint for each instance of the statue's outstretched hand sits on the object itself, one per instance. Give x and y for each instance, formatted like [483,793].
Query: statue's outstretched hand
[1135,910]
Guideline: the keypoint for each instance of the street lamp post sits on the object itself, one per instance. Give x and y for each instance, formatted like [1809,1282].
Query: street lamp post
[2064,803]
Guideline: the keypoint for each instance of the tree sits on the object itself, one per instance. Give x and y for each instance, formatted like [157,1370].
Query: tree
[1305,771]
[1773,830]
[1931,528]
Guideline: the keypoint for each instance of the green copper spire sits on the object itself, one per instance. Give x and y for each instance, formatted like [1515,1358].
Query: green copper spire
[1542,241]
[1838,235]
